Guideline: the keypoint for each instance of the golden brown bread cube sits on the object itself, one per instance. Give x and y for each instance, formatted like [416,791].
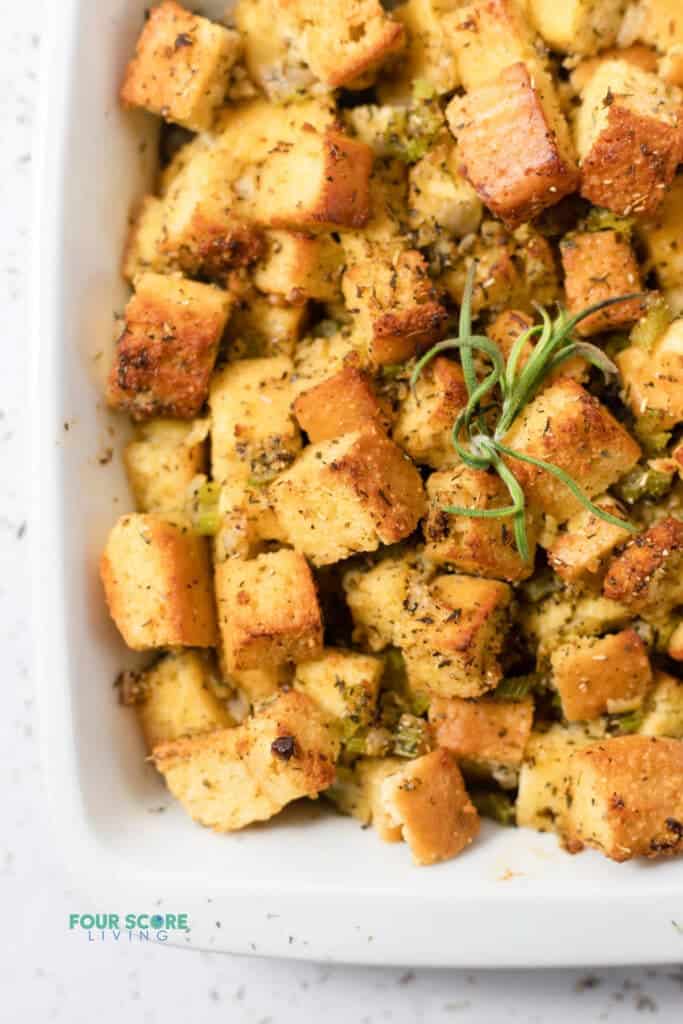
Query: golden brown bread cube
[263,325]
[343,684]
[484,734]
[175,698]
[642,56]
[157,581]
[617,274]
[181,69]
[299,266]
[167,351]
[429,54]
[489,36]
[348,495]
[396,307]
[482,547]
[581,549]
[577,26]
[339,405]
[439,198]
[568,427]
[659,23]
[647,576]
[143,249]
[515,182]
[377,598]
[233,777]
[452,633]
[268,610]
[660,237]
[273,51]
[253,433]
[601,675]
[629,137]
[627,798]
[259,684]
[653,378]
[427,799]
[506,328]
[358,791]
[162,461]
[663,710]
[247,520]
[425,418]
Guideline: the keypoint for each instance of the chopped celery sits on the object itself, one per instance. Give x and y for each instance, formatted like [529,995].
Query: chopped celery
[626,724]
[604,220]
[412,736]
[421,702]
[492,804]
[515,688]
[423,89]
[541,586]
[648,430]
[643,482]
[652,325]
[204,508]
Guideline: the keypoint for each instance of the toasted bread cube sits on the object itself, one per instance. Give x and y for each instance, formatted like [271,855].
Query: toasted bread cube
[660,237]
[395,304]
[543,795]
[273,51]
[663,711]
[659,24]
[357,791]
[345,43]
[627,797]
[429,55]
[577,26]
[647,577]
[506,328]
[567,426]
[565,614]
[601,675]
[247,520]
[143,249]
[167,351]
[600,265]
[268,610]
[176,699]
[427,799]
[653,379]
[629,137]
[675,645]
[439,198]
[487,736]
[642,56]
[298,266]
[343,684]
[425,419]
[378,597]
[157,582]
[348,495]
[231,778]
[481,547]
[339,405]
[253,433]
[452,635]
[489,36]
[318,183]
[263,326]
[317,358]
[259,684]
[162,461]
[515,182]
[181,66]
[580,551]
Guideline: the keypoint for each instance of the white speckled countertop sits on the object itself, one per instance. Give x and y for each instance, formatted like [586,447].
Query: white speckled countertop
[49,973]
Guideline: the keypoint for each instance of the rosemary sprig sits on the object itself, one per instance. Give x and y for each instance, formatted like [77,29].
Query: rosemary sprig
[479,445]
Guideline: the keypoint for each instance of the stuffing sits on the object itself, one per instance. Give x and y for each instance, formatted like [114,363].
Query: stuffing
[357,791]
[580,551]
[618,274]
[343,403]
[343,684]
[440,200]
[646,577]
[488,737]
[489,36]
[660,236]
[578,26]
[425,418]
[428,60]
[663,709]
[297,266]
[162,461]
[652,379]
[601,675]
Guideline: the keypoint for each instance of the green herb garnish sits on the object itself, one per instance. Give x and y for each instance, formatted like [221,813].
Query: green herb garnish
[205,509]
[482,446]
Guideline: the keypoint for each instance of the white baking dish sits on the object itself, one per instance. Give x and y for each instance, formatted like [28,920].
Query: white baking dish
[315,887]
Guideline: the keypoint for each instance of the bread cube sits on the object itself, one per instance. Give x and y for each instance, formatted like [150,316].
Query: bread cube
[348,495]
[273,51]
[263,326]
[339,405]
[168,348]
[489,36]
[233,777]
[162,461]
[567,613]
[318,183]
[487,736]
[601,675]
[663,711]
[568,427]
[642,56]
[452,634]
[253,433]
[377,598]
[268,610]
[660,237]
[600,265]
[506,328]
[343,684]
[481,547]
[629,137]
[627,798]
[181,66]
[143,250]
[440,200]
[427,799]
[543,794]
[577,26]
[247,520]
[646,577]
[390,293]
[358,791]
[175,698]
[653,378]
[580,551]
[299,266]
[515,182]
[157,582]
[260,684]
[424,423]
[429,55]
[659,24]
[675,645]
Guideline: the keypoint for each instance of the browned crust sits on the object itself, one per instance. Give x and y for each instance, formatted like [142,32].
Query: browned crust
[482,730]
[215,248]
[342,404]
[387,44]
[631,573]
[592,672]
[601,265]
[632,163]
